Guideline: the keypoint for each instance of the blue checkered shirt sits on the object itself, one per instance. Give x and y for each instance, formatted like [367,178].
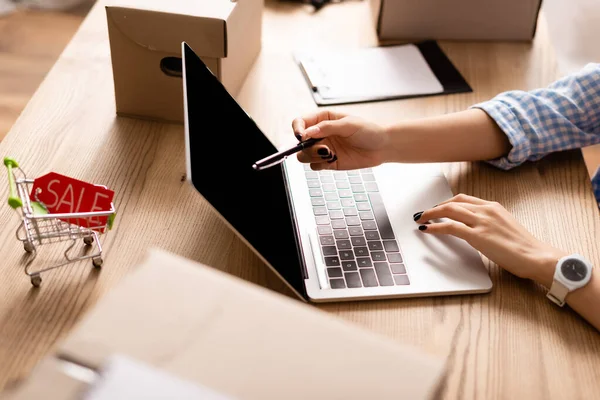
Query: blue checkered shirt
[563,116]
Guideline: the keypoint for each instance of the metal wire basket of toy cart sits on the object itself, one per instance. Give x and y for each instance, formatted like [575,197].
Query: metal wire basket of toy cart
[39,227]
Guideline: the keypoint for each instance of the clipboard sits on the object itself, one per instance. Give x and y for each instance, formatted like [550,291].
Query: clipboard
[380,73]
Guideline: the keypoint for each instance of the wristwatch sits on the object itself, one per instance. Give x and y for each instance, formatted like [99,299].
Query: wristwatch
[572,272]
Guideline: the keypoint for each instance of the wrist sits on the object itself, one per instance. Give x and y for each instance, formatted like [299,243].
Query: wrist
[544,266]
[395,146]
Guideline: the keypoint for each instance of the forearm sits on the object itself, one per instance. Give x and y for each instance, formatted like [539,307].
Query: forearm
[469,135]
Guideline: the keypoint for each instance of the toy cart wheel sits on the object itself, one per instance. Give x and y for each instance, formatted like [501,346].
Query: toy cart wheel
[28,247]
[97,261]
[88,240]
[36,280]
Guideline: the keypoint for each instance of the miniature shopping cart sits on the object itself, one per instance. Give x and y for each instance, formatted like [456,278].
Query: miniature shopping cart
[39,227]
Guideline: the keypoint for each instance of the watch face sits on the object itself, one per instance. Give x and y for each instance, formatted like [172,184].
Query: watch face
[574,270]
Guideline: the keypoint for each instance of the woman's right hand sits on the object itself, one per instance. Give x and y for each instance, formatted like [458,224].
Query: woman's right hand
[348,142]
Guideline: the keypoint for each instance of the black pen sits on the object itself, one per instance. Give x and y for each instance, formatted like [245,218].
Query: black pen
[282,155]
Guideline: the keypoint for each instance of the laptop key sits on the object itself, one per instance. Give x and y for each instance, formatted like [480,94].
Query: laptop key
[347,202]
[360,197]
[332,261]
[358,241]
[328,187]
[401,280]
[345,193]
[366,215]
[326,179]
[398,269]
[324,230]
[391,246]
[366,171]
[313,183]
[307,167]
[368,177]
[378,256]
[368,277]
[335,272]
[372,235]
[361,251]
[334,205]
[363,206]
[364,262]
[337,283]
[353,173]
[353,280]
[383,274]
[369,225]
[355,179]
[317,201]
[322,220]
[326,240]
[350,211]
[343,244]
[341,234]
[342,185]
[353,221]
[355,231]
[338,224]
[329,250]
[375,245]
[383,221]
[346,255]
[358,189]
[336,214]
[339,175]
[320,210]
[315,192]
[349,265]
[331,196]
[371,187]
[394,257]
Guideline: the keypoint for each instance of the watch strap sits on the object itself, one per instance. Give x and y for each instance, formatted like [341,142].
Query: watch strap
[558,292]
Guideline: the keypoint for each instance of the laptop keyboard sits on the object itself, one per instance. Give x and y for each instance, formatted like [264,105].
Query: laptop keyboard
[357,241]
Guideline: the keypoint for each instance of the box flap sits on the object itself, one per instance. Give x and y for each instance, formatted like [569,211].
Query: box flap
[243,340]
[164,27]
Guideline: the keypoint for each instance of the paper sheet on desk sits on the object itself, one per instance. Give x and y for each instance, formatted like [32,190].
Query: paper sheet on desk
[126,379]
[376,72]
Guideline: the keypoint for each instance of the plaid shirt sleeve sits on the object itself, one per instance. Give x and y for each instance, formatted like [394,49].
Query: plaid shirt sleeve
[563,116]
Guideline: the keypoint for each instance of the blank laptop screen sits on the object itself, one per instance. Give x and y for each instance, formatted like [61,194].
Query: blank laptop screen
[223,144]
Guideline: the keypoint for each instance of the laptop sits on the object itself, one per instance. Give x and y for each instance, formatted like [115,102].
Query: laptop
[329,235]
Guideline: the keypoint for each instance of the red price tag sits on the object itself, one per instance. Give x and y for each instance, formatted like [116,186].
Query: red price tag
[62,194]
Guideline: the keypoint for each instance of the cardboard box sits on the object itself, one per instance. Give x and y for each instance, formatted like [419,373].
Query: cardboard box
[485,20]
[145,43]
[234,338]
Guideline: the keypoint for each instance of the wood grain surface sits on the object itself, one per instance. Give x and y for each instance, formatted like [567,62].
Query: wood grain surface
[511,343]
[30,43]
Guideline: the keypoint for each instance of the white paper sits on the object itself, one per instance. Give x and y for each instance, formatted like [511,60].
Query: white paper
[374,72]
[123,378]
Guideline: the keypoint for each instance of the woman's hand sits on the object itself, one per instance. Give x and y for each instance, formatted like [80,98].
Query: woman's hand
[492,230]
[348,142]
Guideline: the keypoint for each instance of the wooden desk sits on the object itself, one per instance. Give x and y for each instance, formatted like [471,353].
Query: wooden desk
[512,343]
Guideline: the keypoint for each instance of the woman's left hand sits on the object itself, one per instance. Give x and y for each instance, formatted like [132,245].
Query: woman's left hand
[492,230]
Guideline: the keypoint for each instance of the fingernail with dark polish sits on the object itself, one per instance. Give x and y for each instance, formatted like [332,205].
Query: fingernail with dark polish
[422,227]
[323,152]
[334,159]
[298,136]
[417,215]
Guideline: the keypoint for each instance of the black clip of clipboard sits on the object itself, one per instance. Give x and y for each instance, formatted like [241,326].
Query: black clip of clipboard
[442,67]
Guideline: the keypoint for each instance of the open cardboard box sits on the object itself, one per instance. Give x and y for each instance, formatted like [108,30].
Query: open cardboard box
[234,337]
